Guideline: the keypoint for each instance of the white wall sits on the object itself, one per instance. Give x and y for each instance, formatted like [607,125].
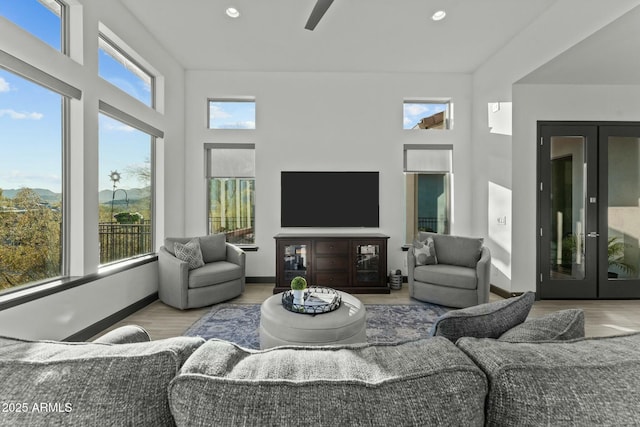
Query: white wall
[504,165]
[325,121]
[68,312]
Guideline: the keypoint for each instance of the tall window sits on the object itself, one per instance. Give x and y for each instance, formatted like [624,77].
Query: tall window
[427,114]
[232,114]
[44,19]
[126,189]
[428,188]
[31,183]
[121,70]
[231,188]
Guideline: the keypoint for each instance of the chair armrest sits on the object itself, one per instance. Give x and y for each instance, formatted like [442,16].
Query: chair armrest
[173,283]
[483,273]
[235,254]
[125,335]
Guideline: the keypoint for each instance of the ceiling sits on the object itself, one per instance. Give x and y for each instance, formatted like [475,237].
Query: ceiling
[354,35]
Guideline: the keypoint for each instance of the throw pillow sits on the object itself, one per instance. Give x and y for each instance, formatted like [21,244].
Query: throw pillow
[189,253]
[214,247]
[488,320]
[425,252]
[558,326]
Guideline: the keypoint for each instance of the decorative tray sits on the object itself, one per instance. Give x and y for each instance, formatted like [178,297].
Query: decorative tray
[317,300]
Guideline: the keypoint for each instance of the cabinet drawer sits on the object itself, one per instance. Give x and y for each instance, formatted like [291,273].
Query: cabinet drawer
[332,279]
[332,247]
[332,263]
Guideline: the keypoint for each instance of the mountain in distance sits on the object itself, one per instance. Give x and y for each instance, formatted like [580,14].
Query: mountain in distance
[104,197]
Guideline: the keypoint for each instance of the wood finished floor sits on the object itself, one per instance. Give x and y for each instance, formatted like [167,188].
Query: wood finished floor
[602,318]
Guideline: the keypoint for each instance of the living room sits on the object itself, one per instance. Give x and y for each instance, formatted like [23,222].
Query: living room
[338,117]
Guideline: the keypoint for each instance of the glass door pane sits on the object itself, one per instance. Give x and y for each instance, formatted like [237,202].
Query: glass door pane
[295,261]
[623,208]
[367,263]
[567,198]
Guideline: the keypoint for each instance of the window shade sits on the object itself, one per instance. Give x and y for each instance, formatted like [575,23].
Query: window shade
[231,161]
[428,158]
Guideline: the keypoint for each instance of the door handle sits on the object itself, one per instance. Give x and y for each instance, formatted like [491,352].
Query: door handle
[593,234]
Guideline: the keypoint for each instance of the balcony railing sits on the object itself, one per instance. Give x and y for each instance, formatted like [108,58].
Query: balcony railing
[121,241]
[433,224]
[237,231]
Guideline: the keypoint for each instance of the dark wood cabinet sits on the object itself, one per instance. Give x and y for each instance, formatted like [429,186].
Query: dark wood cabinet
[353,263]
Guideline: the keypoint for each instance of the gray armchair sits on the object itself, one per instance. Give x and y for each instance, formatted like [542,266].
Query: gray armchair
[221,278]
[458,276]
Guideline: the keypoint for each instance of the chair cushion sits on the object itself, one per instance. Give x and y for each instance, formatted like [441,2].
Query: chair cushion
[447,275]
[586,382]
[425,252]
[214,273]
[214,247]
[90,384]
[560,325]
[488,320]
[455,250]
[358,384]
[189,253]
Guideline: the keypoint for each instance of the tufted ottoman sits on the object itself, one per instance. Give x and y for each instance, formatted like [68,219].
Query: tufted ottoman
[279,326]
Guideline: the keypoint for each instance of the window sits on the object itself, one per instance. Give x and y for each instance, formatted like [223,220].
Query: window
[232,114]
[31,182]
[427,115]
[231,190]
[428,188]
[44,19]
[125,189]
[118,68]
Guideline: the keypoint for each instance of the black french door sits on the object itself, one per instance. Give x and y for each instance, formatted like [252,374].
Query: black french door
[588,210]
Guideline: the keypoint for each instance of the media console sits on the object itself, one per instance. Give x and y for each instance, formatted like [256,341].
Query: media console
[353,263]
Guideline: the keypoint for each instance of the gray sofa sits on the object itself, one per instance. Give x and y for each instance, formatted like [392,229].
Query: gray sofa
[530,373]
[453,271]
[220,275]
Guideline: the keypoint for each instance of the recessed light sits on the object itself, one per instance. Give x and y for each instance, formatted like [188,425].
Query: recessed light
[439,15]
[232,12]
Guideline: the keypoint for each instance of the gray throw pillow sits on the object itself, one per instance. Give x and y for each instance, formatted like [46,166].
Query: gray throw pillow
[214,247]
[189,253]
[488,320]
[558,326]
[425,252]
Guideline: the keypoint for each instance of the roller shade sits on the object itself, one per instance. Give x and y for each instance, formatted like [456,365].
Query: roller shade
[231,160]
[428,158]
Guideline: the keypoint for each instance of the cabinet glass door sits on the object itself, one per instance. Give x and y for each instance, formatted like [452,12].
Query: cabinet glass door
[295,261]
[367,265]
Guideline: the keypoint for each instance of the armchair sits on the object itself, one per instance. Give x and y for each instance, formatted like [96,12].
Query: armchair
[457,276]
[221,278]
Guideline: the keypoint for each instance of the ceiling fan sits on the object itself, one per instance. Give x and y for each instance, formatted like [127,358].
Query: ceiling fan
[317,13]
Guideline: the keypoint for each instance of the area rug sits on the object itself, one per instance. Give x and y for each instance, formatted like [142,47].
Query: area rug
[386,323]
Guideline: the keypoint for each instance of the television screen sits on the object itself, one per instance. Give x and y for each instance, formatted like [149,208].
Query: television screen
[329,199]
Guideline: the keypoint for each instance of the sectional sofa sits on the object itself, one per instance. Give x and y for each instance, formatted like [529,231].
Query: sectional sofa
[484,365]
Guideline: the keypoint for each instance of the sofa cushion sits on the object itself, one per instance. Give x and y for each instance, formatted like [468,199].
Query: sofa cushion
[560,325]
[425,252]
[426,382]
[169,243]
[488,320]
[214,273]
[214,247]
[450,275]
[455,250]
[90,384]
[584,382]
[190,253]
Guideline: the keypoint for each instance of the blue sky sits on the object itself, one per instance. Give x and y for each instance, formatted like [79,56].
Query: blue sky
[232,115]
[30,117]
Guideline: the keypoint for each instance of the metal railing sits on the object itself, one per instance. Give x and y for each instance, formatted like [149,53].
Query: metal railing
[121,241]
[238,231]
[432,224]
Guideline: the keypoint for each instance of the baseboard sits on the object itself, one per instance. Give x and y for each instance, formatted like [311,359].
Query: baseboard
[503,293]
[101,325]
[260,279]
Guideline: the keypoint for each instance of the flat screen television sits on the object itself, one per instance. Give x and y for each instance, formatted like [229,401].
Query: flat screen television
[329,199]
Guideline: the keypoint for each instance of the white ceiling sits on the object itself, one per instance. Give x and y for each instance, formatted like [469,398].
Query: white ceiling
[354,35]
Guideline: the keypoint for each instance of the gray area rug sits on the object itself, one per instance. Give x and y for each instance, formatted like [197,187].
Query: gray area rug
[386,323]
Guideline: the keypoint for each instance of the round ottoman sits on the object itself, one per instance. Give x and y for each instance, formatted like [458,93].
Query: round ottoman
[279,326]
